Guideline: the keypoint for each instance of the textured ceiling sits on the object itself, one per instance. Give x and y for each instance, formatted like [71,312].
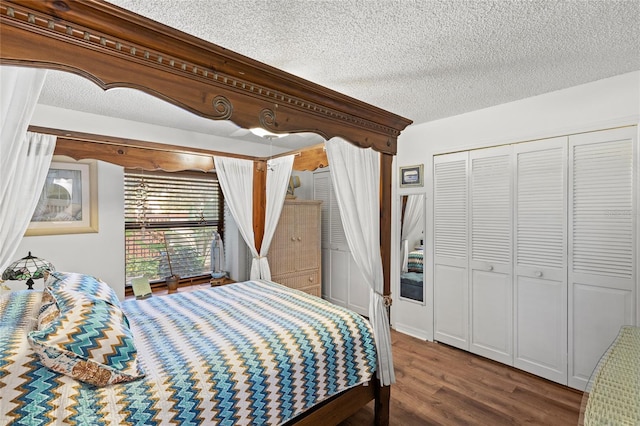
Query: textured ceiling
[424,60]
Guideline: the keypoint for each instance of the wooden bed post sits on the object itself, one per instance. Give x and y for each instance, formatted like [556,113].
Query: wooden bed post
[383,393]
[386,162]
[382,403]
[259,200]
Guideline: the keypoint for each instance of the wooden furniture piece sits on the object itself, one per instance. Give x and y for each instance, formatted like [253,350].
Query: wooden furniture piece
[294,255]
[215,282]
[114,47]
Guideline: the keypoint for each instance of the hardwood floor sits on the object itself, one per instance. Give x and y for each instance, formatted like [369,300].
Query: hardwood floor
[440,385]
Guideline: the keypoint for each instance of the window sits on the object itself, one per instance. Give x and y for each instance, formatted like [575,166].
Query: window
[170,220]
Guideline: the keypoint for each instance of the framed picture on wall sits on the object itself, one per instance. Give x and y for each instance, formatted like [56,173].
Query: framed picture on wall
[68,203]
[411,176]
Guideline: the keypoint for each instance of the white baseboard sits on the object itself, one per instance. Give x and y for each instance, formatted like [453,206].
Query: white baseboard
[411,331]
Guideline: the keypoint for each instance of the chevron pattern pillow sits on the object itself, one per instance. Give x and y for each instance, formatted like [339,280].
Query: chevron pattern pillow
[82,283]
[89,340]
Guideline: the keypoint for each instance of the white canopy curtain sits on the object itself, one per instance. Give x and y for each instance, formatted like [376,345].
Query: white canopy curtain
[412,220]
[236,180]
[355,173]
[278,172]
[24,157]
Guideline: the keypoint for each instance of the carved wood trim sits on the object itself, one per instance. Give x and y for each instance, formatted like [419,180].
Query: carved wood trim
[132,153]
[150,156]
[116,48]
[308,159]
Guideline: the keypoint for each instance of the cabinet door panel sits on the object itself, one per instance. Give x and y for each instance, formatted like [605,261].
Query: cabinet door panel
[541,341]
[358,289]
[339,277]
[282,249]
[602,244]
[452,307]
[597,315]
[307,237]
[451,301]
[491,304]
[540,250]
[491,315]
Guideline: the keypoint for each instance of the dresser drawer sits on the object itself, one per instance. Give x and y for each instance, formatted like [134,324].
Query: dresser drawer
[307,281]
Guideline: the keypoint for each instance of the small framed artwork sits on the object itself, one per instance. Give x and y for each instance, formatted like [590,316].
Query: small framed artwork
[68,203]
[411,176]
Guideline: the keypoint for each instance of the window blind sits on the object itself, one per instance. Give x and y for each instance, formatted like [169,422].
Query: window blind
[170,219]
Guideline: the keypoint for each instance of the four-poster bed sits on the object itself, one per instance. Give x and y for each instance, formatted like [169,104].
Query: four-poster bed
[116,48]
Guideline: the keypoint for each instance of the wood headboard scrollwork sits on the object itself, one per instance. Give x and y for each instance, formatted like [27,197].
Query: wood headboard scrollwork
[117,48]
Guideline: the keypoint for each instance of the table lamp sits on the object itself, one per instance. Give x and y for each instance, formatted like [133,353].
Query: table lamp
[28,268]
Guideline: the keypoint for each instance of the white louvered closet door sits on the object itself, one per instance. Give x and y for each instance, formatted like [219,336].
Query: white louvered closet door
[451,292]
[540,274]
[602,243]
[490,266]
[342,281]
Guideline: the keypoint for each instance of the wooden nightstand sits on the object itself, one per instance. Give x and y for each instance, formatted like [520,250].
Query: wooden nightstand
[215,282]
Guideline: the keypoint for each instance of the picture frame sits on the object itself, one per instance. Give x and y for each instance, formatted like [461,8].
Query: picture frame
[412,176]
[68,203]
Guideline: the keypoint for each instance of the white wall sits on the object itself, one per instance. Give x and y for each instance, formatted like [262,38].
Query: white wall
[99,254]
[305,191]
[598,105]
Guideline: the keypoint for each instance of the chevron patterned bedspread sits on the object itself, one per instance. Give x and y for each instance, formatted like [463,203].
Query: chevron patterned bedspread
[246,353]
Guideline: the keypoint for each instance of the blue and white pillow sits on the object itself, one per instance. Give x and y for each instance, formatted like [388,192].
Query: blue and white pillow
[85,337]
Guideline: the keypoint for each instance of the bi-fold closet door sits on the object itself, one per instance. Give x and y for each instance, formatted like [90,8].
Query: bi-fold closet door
[490,259]
[603,215]
[534,251]
[491,206]
[540,258]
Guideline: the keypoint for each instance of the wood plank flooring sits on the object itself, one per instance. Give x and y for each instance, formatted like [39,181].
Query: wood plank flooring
[440,385]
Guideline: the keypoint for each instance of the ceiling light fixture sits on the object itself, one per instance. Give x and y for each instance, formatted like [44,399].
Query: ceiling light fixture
[259,131]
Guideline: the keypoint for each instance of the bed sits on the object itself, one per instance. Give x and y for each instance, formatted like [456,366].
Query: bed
[612,396]
[247,353]
[116,48]
[412,281]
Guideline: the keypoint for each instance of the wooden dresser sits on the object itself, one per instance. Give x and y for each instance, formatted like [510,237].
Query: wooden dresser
[295,255]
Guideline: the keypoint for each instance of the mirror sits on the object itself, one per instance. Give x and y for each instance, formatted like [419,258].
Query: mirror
[412,247]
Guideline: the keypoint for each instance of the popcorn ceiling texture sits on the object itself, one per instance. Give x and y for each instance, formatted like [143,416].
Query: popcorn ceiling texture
[424,60]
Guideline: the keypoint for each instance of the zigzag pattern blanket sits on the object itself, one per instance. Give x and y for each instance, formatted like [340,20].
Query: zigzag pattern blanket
[247,353]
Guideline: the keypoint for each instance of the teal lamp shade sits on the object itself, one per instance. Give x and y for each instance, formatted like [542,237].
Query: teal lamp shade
[28,268]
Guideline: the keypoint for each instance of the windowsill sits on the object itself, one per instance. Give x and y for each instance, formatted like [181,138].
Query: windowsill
[161,287]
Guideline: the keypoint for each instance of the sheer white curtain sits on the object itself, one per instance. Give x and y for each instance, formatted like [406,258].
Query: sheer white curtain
[236,179]
[412,220]
[24,157]
[355,173]
[278,173]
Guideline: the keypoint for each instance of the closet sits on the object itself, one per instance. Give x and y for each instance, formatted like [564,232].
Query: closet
[534,251]
[342,281]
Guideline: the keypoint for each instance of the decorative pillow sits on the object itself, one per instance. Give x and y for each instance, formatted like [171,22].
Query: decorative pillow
[48,310]
[415,261]
[82,283]
[89,340]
